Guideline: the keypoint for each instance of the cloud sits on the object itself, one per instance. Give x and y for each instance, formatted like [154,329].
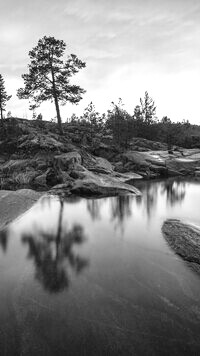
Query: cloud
[129,46]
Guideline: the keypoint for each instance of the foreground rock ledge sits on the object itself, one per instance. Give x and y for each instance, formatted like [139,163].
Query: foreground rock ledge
[184,239]
[13,204]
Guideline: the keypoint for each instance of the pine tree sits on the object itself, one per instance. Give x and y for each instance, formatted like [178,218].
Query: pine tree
[4,97]
[49,76]
[148,108]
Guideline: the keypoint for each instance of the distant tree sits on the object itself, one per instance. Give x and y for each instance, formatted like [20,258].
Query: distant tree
[4,97]
[148,108]
[121,124]
[32,108]
[166,120]
[49,75]
[9,114]
[167,131]
[138,112]
[73,118]
[138,121]
[39,117]
[186,124]
[92,116]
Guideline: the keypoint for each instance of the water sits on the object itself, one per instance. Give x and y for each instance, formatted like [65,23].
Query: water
[96,277]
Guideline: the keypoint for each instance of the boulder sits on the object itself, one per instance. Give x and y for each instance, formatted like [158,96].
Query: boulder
[184,239]
[180,164]
[40,181]
[91,185]
[160,170]
[93,188]
[53,177]
[68,160]
[143,159]
[101,165]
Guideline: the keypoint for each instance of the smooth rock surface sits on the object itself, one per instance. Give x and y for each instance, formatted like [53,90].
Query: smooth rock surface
[184,239]
[13,204]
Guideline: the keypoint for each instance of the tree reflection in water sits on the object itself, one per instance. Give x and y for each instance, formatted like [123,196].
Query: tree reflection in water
[148,198]
[53,255]
[121,207]
[94,207]
[4,239]
[175,191]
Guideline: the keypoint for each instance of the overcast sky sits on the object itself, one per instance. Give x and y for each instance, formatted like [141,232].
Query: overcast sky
[129,46]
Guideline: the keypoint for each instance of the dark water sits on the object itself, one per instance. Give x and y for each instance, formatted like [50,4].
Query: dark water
[96,277]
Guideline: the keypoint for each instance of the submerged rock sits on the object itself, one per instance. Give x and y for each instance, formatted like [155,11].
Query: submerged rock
[184,239]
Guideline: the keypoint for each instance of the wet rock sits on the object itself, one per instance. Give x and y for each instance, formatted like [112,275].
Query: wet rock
[184,239]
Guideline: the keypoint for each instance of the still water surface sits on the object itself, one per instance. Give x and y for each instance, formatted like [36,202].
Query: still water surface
[96,277]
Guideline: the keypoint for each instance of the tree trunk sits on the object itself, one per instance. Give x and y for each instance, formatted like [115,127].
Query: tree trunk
[1,109]
[1,113]
[58,237]
[58,115]
[56,102]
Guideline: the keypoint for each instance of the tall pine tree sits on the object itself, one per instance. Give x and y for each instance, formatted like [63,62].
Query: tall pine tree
[49,76]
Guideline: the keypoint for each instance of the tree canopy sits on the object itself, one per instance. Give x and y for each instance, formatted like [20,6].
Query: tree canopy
[4,97]
[49,76]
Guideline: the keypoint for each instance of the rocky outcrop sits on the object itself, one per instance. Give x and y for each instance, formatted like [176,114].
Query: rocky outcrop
[184,239]
[160,163]
[35,155]
[144,145]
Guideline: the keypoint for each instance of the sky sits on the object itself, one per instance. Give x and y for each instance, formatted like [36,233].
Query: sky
[129,47]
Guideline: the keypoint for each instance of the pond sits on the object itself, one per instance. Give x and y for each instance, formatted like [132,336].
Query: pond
[96,277]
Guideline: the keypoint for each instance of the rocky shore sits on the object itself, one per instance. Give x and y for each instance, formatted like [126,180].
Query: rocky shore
[83,162]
